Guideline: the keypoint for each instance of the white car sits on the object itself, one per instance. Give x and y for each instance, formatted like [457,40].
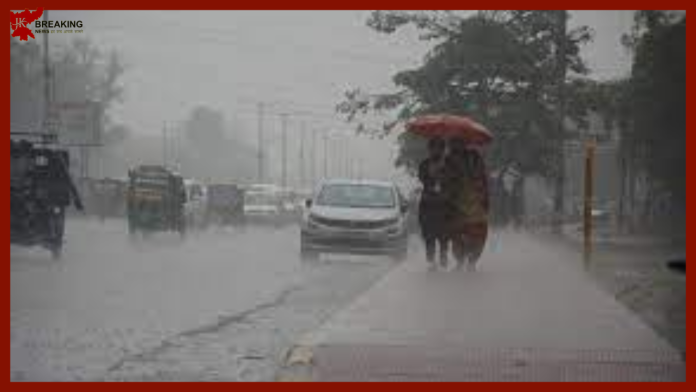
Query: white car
[355,217]
[195,207]
[263,207]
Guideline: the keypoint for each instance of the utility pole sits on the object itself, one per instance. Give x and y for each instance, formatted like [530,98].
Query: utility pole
[326,155]
[47,79]
[313,170]
[344,147]
[590,148]
[302,153]
[165,160]
[335,163]
[562,66]
[259,173]
[179,147]
[284,163]
[349,153]
[341,152]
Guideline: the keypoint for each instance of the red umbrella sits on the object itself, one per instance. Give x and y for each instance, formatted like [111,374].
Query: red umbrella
[446,125]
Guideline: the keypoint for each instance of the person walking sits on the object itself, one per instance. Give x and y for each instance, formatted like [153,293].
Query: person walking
[467,203]
[432,207]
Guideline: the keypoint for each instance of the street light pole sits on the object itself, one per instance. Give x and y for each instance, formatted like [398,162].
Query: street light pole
[259,173]
[47,79]
[589,195]
[562,66]
[284,153]
[302,157]
[164,145]
[326,158]
[314,158]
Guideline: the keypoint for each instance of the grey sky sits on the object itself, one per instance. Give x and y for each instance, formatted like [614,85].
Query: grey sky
[293,60]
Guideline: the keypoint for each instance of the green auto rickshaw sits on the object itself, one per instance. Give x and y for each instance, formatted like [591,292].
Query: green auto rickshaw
[156,198]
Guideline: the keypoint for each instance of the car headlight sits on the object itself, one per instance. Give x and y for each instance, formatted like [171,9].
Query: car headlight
[310,222]
[393,222]
[395,227]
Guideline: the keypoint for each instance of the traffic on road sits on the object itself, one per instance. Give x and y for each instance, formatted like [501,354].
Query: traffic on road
[485,195]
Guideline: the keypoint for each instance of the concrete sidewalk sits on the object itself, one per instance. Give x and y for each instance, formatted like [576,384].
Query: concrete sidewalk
[529,314]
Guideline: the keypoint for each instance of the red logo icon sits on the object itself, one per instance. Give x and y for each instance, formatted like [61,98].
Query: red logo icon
[19,22]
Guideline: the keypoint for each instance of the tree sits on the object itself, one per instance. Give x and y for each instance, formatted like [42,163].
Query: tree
[650,111]
[26,84]
[205,127]
[210,153]
[497,66]
[81,72]
[659,102]
[85,73]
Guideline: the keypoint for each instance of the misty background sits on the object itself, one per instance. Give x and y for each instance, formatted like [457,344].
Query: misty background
[298,63]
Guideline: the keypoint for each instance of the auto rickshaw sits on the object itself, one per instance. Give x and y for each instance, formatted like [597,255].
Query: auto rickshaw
[156,198]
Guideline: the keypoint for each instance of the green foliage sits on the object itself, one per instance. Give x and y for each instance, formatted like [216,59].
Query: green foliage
[80,72]
[499,67]
[659,102]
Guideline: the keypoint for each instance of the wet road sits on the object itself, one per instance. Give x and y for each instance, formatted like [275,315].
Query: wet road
[220,305]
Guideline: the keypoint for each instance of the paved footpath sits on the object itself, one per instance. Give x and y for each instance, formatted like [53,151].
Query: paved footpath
[529,314]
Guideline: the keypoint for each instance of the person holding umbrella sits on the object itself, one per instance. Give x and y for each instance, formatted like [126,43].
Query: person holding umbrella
[432,207]
[468,202]
[464,180]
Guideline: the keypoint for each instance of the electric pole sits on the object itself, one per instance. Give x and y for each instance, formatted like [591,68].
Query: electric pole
[47,78]
[284,153]
[165,160]
[313,170]
[302,157]
[259,173]
[349,155]
[562,66]
[326,155]
[179,147]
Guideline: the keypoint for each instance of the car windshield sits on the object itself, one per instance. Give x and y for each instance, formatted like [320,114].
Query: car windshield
[356,196]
